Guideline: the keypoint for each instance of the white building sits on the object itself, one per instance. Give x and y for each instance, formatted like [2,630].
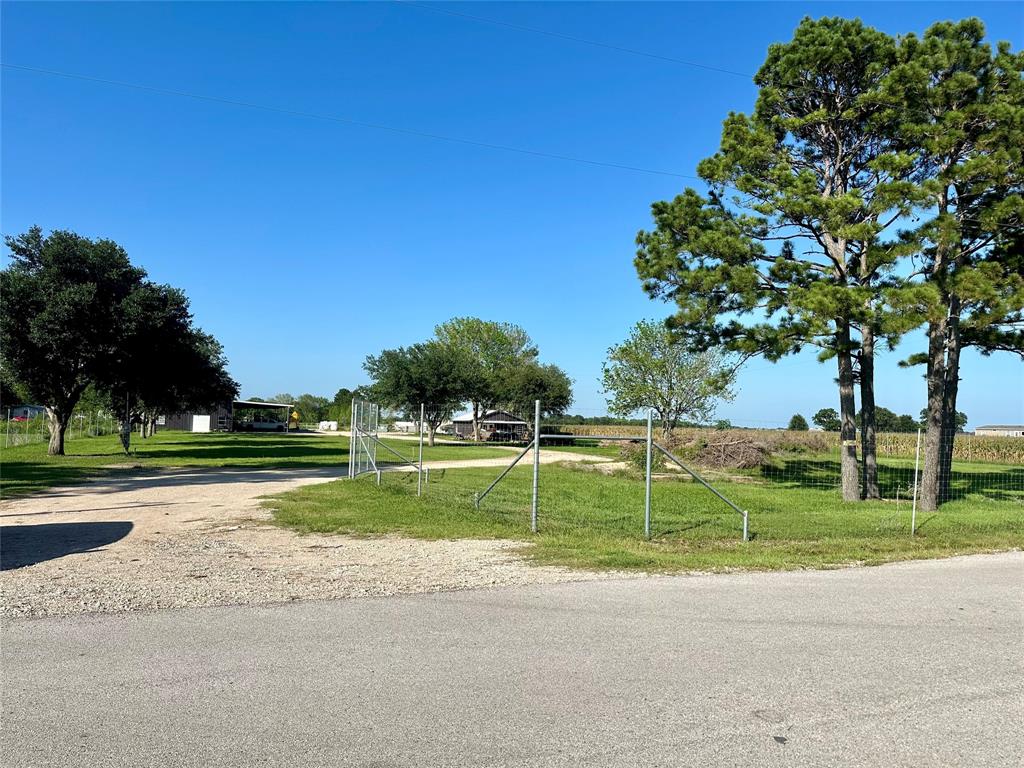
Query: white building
[1001,430]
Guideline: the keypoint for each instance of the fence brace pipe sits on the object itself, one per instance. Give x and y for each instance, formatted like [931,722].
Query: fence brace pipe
[480,496]
[702,481]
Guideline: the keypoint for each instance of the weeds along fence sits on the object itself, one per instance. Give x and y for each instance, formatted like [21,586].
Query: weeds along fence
[36,428]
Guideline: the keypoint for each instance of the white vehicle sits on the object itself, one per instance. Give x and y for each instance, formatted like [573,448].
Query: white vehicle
[260,424]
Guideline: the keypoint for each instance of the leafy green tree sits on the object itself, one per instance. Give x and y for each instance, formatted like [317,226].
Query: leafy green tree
[64,306]
[164,364]
[652,368]
[523,385]
[796,259]
[340,409]
[890,421]
[491,350]
[797,424]
[827,419]
[312,408]
[283,398]
[432,374]
[961,112]
[77,313]
[9,393]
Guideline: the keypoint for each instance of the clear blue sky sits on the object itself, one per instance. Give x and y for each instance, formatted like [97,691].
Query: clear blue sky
[307,244]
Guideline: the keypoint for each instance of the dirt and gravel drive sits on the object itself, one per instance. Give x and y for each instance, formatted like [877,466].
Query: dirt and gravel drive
[195,537]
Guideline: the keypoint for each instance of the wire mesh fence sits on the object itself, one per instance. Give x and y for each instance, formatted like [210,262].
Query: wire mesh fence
[35,428]
[978,466]
[593,478]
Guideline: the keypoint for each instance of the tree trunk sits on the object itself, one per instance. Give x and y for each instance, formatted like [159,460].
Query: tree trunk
[476,421]
[869,454]
[125,433]
[58,424]
[934,421]
[950,392]
[431,431]
[847,412]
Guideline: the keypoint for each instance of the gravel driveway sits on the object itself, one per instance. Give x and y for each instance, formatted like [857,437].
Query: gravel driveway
[195,537]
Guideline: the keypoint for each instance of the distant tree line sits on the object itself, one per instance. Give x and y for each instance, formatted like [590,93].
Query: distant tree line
[828,420]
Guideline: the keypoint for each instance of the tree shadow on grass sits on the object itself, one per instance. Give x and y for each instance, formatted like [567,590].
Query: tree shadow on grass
[23,545]
[1000,484]
[28,478]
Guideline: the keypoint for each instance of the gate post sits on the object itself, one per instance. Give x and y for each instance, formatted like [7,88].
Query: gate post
[647,474]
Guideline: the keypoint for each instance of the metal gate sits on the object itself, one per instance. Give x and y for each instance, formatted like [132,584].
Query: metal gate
[363,441]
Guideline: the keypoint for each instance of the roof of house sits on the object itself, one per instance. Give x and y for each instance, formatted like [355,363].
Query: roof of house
[490,417]
[1001,426]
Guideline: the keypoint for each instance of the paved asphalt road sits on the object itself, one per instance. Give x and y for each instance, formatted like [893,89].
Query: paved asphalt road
[916,664]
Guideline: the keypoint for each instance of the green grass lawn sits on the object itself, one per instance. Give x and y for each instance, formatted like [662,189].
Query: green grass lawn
[588,447]
[27,468]
[592,520]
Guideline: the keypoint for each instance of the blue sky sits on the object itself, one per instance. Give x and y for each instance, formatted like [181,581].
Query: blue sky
[307,244]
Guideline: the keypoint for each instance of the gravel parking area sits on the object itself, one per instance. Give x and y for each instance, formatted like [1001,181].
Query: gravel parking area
[200,537]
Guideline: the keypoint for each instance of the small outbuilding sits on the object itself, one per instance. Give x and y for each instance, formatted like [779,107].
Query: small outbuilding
[236,416]
[494,426]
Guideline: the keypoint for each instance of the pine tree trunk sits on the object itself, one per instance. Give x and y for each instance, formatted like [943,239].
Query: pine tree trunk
[58,424]
[950,392]
[869,454]
[934,416]
[847,411]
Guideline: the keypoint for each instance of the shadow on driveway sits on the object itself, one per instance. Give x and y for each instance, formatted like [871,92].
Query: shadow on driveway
[22,545]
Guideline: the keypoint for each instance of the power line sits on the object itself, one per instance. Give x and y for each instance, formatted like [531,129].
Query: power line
[375,126]
[582,40]
[350,121]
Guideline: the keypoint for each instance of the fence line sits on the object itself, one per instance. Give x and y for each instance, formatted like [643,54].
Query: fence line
[734,466]
[35,429]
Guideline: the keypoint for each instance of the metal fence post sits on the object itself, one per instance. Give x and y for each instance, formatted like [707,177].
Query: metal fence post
[536,463]
[352,440]
[419,475]
[647,475]
[913,507]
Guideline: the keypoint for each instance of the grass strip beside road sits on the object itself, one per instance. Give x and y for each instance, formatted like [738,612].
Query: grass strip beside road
[589,519]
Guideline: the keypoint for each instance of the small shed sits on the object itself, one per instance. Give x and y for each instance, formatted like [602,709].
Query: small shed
[239,415]
[494,426]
